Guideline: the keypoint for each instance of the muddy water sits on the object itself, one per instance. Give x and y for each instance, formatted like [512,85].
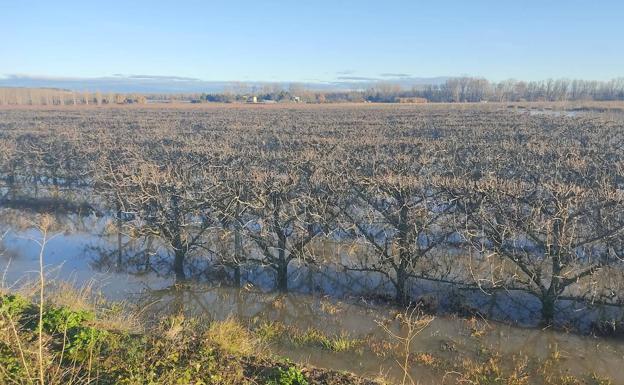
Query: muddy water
[76,255]
[447,337]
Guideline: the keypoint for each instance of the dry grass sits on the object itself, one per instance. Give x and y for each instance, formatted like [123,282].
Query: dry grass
[232,337]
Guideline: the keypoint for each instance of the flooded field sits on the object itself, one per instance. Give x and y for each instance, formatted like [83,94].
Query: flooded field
[82,252]
[441,244]
[368,193]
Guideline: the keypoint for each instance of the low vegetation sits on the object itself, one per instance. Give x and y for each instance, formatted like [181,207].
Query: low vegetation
[78,348]
[278,332]
[90,346]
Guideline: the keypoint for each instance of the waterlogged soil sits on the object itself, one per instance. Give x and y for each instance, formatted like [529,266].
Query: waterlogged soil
[76,256]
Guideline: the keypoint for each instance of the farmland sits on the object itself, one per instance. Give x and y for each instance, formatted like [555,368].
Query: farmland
[485,218]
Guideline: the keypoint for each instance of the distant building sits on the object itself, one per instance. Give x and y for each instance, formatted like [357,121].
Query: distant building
[412,100]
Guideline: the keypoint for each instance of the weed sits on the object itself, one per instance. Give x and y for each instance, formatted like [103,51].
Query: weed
[314,337]
[290,376]
[10,365]
[61,319]
[13,305]
[272,331]
[230,336]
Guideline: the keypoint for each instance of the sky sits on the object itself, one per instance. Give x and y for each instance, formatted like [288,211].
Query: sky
[313,41]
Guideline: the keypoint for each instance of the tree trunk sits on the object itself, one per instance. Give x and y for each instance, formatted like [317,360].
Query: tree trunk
[548,309]
[11,186]
[282,277]
[119,238]
[178,265]
[401,296]
[237,276]
[36,186]
[282,261]
[404,252]
[148,252]
[549,297]
[180,250]
[238,253]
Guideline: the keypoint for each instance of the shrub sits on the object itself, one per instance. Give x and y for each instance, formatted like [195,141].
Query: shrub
[13,305]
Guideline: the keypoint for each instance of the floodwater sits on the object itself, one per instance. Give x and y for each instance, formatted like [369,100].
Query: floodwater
[80,256]
[608,114]
[557,113]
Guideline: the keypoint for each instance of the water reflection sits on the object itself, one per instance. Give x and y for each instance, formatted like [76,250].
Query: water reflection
[83,250]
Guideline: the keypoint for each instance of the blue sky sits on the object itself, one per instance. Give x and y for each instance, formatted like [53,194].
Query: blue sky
[313,40]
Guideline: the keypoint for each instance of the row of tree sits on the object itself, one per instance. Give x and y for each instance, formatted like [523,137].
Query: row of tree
[453,90]
[485,200]
[467,89]
[474,90]
[60,97]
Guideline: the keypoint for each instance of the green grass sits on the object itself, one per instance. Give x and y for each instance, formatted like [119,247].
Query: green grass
[290,376]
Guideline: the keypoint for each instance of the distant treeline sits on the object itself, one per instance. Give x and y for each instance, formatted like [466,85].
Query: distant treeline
[58,97]
[467,89]
[462,89]
[454,90]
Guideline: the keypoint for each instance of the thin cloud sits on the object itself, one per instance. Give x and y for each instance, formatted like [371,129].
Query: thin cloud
[394,75]
[114,76]
[357,78]
[156,77]
[162,77]
[38,77]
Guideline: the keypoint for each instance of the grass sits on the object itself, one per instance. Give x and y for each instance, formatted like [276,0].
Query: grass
[232,337]
[279,332]
[79,348]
